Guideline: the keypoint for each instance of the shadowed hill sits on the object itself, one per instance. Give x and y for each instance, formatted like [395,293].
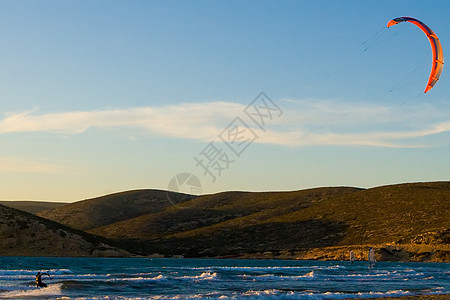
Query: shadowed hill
[24,234]
[219,208]
[405,222]
[405,213]
[398,214]
[92,213]
[33,207]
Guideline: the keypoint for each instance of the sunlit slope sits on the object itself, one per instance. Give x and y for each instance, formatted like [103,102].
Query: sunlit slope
[403,214]
[92,213]
[206,211]
[24,234]
[239,223]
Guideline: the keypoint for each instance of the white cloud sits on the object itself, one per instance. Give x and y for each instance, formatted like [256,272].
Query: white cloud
[304,122]
[183,121]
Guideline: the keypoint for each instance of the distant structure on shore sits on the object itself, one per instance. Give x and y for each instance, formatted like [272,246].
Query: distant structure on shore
[372,260]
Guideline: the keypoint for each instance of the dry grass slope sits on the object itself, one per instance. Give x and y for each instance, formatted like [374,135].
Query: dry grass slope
[210,211]
[403,222]
[92,213]
[33,207]
[24,234]
[412,215]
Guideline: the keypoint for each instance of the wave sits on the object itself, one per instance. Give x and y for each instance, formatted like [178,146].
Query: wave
[320,275]
[27,274]
[140,278]
[273,277]
[34,272]
[32,291]
[275,294]
[192,280]
[243,268]
[387,275]
[203,276]
[160,277]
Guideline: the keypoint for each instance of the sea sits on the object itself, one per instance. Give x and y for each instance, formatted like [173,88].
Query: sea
[151,278]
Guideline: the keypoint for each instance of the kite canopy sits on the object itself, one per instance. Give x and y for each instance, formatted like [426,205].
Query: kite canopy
[438,56]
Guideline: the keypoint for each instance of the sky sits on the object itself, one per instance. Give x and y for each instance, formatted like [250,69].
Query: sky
[106,96]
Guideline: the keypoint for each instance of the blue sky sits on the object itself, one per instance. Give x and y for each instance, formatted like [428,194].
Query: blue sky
[105,96]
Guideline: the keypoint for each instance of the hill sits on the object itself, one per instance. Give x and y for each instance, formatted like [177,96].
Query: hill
[33,207]
[403,222]
[210,210]
[24,234]
[100,211]
[407,214]
[407,221]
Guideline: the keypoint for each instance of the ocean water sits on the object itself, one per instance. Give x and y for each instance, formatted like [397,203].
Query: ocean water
[140,278]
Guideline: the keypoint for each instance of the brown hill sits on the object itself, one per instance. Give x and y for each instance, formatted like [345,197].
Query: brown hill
[24,234]
[92,213]
[405,213]
[403,222]
[214,209]
[398,214]
[33,207]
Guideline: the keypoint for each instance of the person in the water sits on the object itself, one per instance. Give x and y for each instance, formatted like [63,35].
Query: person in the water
[39,282]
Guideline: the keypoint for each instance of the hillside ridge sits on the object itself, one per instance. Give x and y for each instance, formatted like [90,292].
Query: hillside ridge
[33,207]
[404,221]
[91,213]
[25,234]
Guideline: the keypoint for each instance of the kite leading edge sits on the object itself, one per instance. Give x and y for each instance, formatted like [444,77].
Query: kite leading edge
[438,56]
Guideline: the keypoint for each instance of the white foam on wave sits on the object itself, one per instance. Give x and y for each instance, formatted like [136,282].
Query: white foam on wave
[272,294]
[270,277]
[358,276]
[143,278]
[243,268]
[203,276]
[25,274]
[59,271]
[334,267]
[309,275]
[29,272]
[267,268]
[261,293]
[15,277]
[361,276]
[140,278]
[51,290]
[340,295]
[277,294]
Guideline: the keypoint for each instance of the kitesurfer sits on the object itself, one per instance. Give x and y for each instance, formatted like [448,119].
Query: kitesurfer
[39,282]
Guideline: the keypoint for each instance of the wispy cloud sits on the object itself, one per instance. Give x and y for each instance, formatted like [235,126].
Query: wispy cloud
[331,122]
[183,121]
[27,165]
[304,122]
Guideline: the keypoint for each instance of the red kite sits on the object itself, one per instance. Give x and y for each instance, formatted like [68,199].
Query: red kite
[438,56]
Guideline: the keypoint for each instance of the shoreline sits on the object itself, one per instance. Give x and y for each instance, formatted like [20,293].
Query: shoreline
[408,253]
[237,257]
[383,253]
